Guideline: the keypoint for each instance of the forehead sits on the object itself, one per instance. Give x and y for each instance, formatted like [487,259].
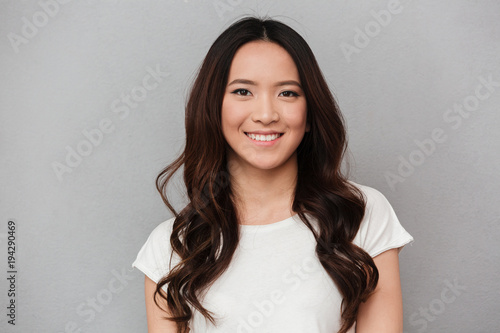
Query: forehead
[263,59]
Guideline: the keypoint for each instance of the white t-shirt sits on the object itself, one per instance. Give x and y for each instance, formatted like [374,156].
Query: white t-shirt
[275,282]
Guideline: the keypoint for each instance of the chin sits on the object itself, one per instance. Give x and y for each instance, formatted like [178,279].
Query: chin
[266,166]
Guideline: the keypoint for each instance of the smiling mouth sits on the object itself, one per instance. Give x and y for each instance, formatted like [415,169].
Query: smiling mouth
[264,137]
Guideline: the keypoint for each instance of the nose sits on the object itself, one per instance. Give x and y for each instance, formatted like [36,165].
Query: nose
[265,110]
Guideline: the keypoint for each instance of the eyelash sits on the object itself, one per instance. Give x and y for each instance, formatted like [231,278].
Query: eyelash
[294,94]
[238,91]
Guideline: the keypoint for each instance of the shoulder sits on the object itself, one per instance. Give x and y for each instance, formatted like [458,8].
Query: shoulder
[159,239]
[154,256]
[374,198]
[162,230]
[380,228]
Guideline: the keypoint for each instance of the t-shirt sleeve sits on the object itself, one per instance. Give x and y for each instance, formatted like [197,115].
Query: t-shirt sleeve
[380,229]
[154,256]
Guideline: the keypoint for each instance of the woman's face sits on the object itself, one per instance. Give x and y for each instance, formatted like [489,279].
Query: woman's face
[264,108]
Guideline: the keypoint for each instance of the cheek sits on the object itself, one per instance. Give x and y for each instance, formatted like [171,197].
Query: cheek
[225,113]
[232,115]
[297,117]
[229,119]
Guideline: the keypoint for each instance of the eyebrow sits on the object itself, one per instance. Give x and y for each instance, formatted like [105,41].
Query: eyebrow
[278,84]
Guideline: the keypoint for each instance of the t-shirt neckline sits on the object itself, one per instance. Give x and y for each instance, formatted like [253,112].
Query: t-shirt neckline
[269,226]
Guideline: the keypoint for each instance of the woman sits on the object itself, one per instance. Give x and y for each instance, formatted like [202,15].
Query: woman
[274,237]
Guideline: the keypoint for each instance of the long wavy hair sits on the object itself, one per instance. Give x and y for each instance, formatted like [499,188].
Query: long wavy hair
[206,232]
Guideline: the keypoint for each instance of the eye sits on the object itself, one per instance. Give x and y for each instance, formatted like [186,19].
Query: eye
[241,92]
[289,93]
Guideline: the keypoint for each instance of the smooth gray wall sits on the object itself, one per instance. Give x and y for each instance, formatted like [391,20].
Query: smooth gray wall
[423,124]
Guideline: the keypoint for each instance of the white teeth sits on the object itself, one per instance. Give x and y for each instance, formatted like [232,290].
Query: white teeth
[262,137]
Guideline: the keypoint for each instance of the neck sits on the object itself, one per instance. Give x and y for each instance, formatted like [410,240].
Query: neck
[263,194]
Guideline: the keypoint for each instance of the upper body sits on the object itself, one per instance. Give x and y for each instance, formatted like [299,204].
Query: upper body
[275,282]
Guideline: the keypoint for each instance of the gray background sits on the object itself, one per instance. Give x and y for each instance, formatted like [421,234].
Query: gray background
[78,231]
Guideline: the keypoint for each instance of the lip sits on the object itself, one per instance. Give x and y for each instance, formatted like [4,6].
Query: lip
[264,132]
[264,143]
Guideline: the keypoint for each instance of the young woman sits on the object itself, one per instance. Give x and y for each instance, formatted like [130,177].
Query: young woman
[274,237]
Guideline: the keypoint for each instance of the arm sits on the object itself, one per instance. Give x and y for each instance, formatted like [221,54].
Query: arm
[383,311]
[156,323]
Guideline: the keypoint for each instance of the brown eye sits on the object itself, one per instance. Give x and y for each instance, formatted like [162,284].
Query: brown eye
[289,93]
[241,92]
